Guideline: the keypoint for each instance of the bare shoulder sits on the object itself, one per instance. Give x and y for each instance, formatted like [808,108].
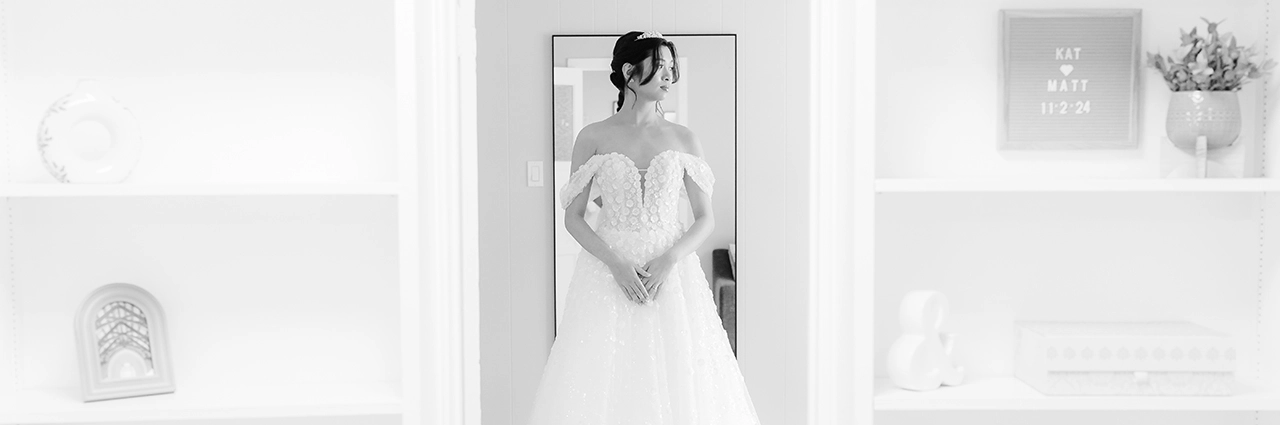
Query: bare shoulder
[589,139]
[593,132]
[685,139]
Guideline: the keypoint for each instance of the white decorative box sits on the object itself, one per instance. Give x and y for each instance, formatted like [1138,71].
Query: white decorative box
[1146,358]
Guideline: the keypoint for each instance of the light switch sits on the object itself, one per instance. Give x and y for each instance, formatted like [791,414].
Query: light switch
[535,174]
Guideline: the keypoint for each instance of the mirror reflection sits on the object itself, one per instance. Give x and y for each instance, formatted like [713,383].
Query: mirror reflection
[704,101]
[645,186]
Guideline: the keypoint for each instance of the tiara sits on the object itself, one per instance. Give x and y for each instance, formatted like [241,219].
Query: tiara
[649,34]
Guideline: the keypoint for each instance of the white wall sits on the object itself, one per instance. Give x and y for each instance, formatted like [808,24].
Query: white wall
[514,54]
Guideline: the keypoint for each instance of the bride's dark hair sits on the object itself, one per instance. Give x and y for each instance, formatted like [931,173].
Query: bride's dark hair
[630,50]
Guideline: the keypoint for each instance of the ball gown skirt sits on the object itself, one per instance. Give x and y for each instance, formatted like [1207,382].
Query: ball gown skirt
[665,362]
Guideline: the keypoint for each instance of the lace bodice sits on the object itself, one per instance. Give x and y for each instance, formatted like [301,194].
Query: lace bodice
[636,200]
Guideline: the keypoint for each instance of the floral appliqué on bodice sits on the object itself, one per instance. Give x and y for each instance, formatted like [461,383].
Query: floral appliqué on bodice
[636,199]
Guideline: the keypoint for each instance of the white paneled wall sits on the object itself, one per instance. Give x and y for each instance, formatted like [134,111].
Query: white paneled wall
[516,256]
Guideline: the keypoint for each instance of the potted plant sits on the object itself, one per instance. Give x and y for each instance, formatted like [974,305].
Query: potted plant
[1205,73]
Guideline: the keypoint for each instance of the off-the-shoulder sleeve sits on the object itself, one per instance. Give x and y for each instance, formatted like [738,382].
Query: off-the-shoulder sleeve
[578,181]
[698,169]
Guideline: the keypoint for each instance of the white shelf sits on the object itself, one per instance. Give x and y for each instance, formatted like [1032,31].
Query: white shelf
[1076,185]
[38,190]
[1012,394]
[232,402]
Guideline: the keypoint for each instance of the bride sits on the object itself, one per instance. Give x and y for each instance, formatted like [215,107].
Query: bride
[640,341]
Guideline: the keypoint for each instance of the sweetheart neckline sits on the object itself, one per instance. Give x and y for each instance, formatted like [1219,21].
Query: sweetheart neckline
[701,173]
[646,177]
[633,162]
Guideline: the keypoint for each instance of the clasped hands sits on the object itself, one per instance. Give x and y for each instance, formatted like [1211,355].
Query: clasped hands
[641,283]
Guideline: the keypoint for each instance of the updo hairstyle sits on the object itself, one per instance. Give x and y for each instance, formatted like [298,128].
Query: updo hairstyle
[630,50]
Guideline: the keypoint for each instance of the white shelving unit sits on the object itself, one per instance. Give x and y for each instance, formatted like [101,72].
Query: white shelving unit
[40,190]
[1245,185]
[298,401]
[274,212]
[1063,235]
[1013,394]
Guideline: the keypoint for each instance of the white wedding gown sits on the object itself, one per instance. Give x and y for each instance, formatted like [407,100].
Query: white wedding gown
[666,362]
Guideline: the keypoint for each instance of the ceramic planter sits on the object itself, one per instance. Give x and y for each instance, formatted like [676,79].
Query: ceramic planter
[1212,114]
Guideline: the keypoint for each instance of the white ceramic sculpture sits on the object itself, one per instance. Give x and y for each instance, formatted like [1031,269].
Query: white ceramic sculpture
[920,359]
[121,339]
[89,103]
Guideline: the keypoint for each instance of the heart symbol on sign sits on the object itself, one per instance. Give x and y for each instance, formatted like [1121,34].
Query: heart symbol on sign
[1066,69]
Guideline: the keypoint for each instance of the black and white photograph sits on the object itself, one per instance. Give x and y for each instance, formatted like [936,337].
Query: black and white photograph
[657,212]
[643,226]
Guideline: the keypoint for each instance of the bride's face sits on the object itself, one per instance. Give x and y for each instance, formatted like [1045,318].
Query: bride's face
[660,85]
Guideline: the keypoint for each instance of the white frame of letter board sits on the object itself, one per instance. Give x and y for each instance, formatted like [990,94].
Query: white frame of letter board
[1135,96]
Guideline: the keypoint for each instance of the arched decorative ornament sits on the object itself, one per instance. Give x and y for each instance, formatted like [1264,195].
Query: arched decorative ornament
[122,344]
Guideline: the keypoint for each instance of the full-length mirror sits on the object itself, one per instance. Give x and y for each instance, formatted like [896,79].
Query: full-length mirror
[699,95]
